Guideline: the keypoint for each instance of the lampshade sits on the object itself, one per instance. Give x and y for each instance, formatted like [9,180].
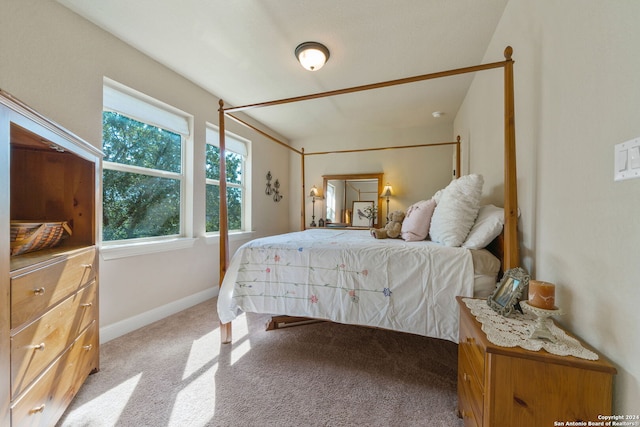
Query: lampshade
[314,192]
[387,191]
[312,55]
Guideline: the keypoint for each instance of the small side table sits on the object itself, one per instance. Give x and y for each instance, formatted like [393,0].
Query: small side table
[511,386]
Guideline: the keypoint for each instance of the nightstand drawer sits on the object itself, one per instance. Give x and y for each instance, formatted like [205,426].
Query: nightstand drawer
[35,347]
[471,344]
[470,385]
[33,292]
[47,399]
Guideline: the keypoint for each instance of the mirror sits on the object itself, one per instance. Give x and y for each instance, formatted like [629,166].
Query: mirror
[341,191]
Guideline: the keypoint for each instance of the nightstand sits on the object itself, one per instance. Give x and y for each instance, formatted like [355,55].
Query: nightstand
[511,386]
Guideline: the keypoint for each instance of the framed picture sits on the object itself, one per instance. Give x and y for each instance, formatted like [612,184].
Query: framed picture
[362,214]
[507,294]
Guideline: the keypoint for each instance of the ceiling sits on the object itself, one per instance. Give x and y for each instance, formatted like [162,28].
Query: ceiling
[243,52]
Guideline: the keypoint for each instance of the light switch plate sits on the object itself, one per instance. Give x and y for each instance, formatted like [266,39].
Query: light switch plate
[634,157]
[627,160]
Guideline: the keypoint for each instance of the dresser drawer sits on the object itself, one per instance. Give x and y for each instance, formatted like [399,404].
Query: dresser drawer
[33,292]
[35,347]
[48,398]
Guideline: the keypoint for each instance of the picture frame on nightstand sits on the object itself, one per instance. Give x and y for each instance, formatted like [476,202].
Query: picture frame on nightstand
[506,297]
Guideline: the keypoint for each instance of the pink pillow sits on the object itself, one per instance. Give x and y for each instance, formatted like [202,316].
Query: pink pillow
[416,223]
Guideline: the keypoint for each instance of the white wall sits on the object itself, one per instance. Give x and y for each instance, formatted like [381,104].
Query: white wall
[55,61]
[577,95]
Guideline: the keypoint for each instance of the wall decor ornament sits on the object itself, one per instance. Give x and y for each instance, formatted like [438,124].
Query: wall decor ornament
[269,190]
[273,189]
[276,191]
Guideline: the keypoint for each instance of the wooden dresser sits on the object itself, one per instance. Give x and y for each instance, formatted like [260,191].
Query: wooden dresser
[49,298]
[510,386]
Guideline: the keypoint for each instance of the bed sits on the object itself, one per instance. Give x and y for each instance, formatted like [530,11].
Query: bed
[347,276]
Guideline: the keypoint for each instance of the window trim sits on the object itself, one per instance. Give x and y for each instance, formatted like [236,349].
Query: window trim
[158,173]
[128,248]
[180,122]
[331,201]
[240,146]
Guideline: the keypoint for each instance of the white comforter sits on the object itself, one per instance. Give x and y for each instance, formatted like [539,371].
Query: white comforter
[347,276]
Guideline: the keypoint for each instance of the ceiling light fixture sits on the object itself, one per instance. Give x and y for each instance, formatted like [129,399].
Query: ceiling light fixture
[312,55]
[437,114]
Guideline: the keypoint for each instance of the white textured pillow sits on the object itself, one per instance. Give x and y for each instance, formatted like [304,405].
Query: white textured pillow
[457,210]
[415,226]
[438,195]
[487,227]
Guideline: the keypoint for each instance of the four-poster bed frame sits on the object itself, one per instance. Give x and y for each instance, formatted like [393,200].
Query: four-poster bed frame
[509,252]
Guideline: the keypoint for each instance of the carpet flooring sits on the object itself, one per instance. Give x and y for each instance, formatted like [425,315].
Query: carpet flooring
[175,372]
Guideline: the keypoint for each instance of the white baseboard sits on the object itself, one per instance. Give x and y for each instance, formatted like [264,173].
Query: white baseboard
[125,326]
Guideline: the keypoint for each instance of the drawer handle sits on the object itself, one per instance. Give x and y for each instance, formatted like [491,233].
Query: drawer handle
[87,347]
[87,265]
[39,291]
[86,305]
[471,340]
[37,409]
[466,377]
[39,346]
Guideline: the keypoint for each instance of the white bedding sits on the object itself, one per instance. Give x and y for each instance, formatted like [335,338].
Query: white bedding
[347,276]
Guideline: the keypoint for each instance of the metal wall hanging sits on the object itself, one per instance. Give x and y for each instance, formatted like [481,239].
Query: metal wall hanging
[269,190]
[273,190]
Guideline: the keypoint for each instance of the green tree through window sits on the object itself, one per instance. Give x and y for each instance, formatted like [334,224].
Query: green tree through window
[141,180]
[235,188]
[236,191]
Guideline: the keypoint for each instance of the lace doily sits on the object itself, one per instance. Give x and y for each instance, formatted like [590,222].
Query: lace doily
[515,331]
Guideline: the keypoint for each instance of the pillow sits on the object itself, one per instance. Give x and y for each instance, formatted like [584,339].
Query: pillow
[437,196]
[487,227]
[416,223]
[457,210]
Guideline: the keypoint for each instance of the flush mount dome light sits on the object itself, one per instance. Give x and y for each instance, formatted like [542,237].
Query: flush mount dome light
[312,55]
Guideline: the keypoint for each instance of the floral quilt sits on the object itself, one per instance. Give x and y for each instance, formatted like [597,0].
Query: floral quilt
[347,276]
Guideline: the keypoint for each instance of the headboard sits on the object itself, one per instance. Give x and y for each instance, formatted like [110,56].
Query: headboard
[496,247]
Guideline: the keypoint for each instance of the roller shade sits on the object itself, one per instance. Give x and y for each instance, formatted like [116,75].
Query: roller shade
[231,142]
[144,110]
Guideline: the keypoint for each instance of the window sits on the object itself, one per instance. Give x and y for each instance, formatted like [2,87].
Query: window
[143,169]
[237,159]
[331,202]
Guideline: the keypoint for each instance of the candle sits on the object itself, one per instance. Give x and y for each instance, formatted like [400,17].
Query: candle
[542,294]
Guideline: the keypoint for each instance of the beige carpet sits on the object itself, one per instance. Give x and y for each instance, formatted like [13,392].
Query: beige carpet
[175,372]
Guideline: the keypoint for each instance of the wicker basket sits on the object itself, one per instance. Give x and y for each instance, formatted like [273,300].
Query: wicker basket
[33,236]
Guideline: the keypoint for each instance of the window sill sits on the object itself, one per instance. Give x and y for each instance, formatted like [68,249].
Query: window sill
[214,238]
[110,252]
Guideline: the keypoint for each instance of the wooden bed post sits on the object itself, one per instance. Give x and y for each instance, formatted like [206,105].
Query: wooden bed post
[512,250]
[303,210]
[458,154]
[225,328]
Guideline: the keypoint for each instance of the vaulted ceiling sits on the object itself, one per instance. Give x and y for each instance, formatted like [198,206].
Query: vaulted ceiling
[243,52]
